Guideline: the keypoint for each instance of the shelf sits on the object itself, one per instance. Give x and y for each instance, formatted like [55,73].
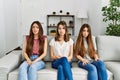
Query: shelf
[60,15]
[56,26]
[52,21]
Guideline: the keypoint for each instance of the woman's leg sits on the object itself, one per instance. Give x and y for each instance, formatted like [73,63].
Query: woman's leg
[22,74]
[92,71]
[60,75]
[32,72]
[101,69]
[66,68]
[57,65]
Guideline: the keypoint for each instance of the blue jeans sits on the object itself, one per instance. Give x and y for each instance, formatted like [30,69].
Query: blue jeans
[96,70]
[64,68]
[29,72]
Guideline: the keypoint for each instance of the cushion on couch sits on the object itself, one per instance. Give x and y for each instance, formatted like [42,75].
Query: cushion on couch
[50,73]
[108,48]
[114,68]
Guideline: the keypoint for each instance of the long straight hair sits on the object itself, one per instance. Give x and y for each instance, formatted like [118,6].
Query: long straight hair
[80,48]
[30,40]
[66,36]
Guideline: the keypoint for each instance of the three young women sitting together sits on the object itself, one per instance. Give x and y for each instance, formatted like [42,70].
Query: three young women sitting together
[61,53]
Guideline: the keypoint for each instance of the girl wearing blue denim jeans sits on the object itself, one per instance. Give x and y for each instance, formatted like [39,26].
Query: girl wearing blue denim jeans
[34,51]
[61,52]
[87,55]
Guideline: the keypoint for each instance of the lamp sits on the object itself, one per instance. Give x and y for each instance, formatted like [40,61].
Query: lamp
[82,15]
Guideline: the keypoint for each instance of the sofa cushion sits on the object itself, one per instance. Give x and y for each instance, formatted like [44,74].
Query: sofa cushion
[9,63]
[108,47]
[48,72]
[114,68]
[47,57]
[12,61]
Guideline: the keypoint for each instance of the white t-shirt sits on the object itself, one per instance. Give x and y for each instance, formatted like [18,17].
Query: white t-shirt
[62,50]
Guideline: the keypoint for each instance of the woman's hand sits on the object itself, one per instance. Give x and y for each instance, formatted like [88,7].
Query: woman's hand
[96,58]
[85,61]
[57,56]
[29,62]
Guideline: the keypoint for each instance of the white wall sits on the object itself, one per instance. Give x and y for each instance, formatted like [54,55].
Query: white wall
[2,29]
[38,9]
[95,16]
[8,30]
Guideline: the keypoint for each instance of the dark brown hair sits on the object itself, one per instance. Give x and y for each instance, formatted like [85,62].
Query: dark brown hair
[80,49]
[66,36]
[30,40]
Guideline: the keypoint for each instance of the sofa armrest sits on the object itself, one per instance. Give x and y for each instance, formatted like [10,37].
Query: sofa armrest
[8,63]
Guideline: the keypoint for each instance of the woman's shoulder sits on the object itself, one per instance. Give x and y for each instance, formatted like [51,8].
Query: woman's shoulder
[44,37]
[53,40]
[70,41]
[27,37]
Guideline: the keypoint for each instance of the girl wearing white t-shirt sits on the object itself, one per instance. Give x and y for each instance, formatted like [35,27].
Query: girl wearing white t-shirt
[61,52]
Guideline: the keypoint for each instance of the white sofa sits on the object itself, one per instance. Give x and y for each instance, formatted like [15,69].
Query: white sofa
[108,49]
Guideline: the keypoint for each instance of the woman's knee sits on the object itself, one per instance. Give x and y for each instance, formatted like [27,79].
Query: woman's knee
[101,65]
[64,59]
[60,67]
[93,69]
[41,64]
[32,68]
[23,66]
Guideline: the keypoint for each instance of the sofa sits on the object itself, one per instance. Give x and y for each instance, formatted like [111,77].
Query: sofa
[107,47]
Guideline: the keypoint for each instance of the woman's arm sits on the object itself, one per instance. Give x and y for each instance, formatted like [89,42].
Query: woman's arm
[96,57]
[71,53]
[82,59]
[25,54]
[53,57]
[43,54]
[79,58]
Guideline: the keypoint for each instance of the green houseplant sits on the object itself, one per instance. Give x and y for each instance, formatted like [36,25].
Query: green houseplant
[52,32]
[111,15]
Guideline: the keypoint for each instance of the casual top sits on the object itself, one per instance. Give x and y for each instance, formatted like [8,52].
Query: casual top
[35,45]
[62,50]
[87,57]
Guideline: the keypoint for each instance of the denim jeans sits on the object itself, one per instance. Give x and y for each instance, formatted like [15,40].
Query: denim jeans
[64,69]
[29,72]
[96,70]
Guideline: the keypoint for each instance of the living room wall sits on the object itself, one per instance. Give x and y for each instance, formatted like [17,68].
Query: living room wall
[38,9]
[8,26]
[2,30]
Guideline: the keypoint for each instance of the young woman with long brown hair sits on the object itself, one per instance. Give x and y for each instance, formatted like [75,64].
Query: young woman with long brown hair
[35,47]
[87,55]
[61,51]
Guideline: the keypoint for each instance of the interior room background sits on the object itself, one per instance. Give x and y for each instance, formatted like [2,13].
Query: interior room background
[16,17]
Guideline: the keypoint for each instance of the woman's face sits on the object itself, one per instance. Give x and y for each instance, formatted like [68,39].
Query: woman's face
[35,29]
[85,32]
[61,30]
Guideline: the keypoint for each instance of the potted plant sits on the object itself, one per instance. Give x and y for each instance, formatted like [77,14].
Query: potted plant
[52,32]
[111,15]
